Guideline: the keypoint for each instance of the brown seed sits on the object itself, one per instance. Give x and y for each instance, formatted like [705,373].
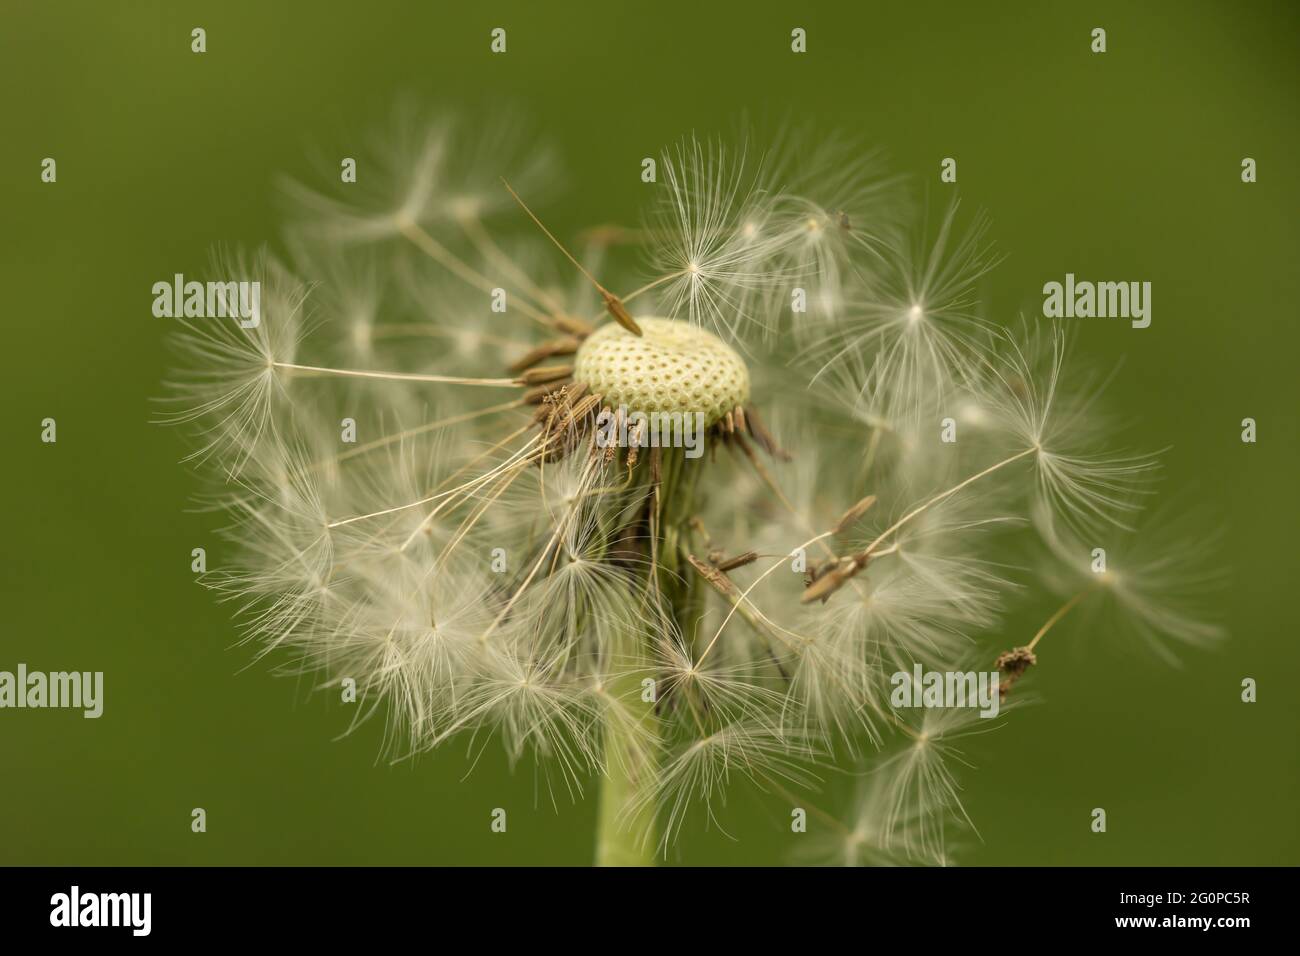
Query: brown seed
[828,583]
[739,561]
[547,373]
[564,346]
[614,306]
[573,325]
[850,517]
[822,588]
[763,436]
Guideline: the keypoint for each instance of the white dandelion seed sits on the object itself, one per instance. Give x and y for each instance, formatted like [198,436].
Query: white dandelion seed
[923,808]
[233,387]
[1026,390]
[869,834]
[1150,582]
[911,333]
[429,173]
[713,239]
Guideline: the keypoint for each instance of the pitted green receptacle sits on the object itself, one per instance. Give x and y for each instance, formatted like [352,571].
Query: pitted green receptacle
[672,367]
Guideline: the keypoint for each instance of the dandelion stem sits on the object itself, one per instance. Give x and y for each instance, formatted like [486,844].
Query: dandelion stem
[392,330]
[873,443]
[420,430]
[613,304]
[1061,611]
[483,241]
[440,254]
[401,376]
[625,828]
[745,593]
[942,496]
[654,284]
[516,460]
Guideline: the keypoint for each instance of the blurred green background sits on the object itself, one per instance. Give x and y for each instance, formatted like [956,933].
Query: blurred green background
[1123,166]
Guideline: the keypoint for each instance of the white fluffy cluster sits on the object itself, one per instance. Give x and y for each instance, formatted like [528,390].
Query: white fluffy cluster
[402,516]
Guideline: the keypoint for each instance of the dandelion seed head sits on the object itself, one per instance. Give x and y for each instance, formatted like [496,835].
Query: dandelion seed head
[466,552]
[672,367]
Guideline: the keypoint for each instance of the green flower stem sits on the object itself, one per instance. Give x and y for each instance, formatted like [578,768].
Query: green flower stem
[626,829]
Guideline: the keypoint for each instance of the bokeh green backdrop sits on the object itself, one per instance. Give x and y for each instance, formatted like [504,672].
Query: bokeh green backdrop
[1122,165]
